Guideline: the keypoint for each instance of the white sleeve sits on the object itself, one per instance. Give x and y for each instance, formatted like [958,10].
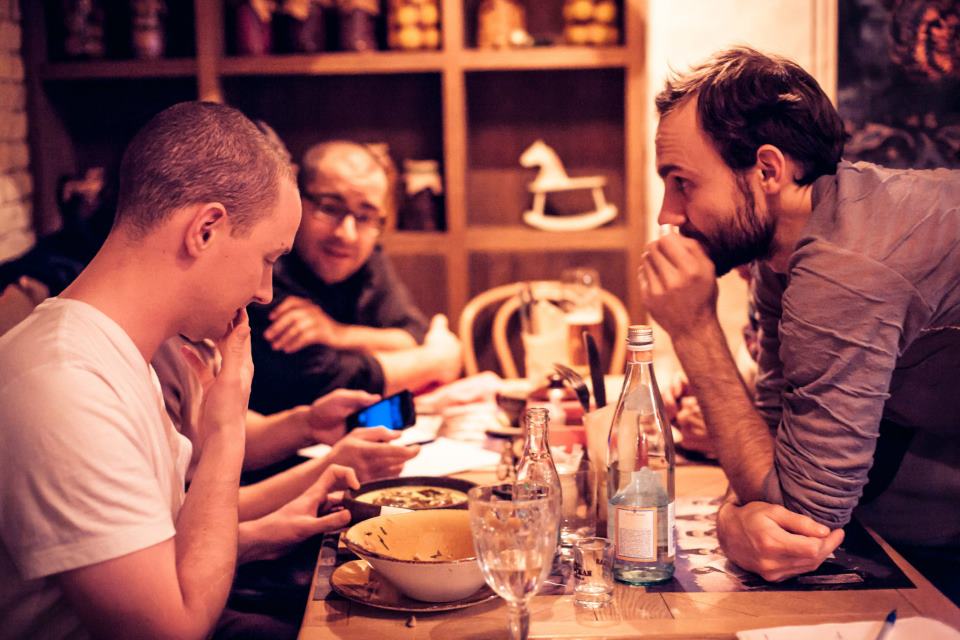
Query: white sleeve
[77,473]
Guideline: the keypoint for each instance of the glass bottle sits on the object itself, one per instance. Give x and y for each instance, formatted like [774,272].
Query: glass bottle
[640,472]
[536,463]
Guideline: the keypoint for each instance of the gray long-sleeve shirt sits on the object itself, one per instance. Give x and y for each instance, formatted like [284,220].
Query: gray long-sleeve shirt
[866,326]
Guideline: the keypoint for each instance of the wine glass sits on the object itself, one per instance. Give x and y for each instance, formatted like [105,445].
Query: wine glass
[515,531]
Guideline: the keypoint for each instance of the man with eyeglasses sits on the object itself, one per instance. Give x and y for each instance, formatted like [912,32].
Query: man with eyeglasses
[341,318]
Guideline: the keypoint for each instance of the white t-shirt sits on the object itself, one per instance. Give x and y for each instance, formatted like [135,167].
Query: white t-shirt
[91,468]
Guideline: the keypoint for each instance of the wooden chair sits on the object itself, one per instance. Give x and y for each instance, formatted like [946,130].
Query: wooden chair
[508,297]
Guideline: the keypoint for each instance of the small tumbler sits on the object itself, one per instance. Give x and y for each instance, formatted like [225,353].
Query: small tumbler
[593,569]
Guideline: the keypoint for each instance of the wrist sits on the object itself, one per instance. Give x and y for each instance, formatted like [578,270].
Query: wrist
[229,441]
[250,545]
[701,329]
[299,417]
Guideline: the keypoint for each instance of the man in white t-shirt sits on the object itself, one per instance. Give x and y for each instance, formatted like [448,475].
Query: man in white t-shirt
[96,534]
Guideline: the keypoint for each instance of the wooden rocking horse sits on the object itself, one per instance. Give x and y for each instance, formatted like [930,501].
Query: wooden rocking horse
[553,178]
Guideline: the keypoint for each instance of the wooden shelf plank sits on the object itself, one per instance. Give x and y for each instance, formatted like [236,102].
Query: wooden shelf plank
[415,242]
[507,238]
[92,69]
[335,63]
[538,58]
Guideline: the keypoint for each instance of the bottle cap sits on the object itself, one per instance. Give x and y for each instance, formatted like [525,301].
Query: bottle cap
[640,337]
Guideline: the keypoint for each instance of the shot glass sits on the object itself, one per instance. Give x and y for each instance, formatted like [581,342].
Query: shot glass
[593,571]
[578,513]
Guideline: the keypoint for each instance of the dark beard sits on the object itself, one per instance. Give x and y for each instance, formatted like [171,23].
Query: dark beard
[743,239]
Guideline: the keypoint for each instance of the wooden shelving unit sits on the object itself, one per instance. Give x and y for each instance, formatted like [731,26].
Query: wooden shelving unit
[182,67]
[473,110]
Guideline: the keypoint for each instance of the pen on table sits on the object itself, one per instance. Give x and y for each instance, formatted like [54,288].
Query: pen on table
[887,625]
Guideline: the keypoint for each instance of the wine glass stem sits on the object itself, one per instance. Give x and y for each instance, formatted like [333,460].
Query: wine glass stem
[519,621]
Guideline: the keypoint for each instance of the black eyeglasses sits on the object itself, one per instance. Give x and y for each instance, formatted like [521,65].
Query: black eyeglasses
[333,211]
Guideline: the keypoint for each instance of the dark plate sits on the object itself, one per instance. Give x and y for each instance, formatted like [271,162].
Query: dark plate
[360,511]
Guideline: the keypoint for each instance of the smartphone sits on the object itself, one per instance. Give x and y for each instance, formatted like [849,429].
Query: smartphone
[394,412]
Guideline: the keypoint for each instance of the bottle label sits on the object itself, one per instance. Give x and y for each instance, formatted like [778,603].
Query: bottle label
[636,533]
[671,525]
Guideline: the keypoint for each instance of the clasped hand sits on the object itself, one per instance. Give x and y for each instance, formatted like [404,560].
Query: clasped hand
[678,284]
[772,541]
[325,417]
[300,518]
[297,323]
[226,393]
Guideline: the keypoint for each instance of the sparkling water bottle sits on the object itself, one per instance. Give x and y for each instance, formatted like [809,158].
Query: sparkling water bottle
[640,472]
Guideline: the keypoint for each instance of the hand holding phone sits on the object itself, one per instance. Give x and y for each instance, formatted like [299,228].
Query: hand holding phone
[394,412]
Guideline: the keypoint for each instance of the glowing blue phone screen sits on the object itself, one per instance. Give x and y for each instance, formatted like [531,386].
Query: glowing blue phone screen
[385,413]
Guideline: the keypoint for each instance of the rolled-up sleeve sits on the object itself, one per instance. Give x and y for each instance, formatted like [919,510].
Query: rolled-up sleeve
[843,325]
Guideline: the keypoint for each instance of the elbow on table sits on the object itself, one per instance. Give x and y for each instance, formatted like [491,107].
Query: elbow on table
[822,502]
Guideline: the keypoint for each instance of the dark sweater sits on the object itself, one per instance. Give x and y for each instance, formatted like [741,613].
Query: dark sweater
[374,297]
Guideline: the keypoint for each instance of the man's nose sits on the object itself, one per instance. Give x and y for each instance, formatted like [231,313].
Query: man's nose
[670,214]
[264,294]
[347,230]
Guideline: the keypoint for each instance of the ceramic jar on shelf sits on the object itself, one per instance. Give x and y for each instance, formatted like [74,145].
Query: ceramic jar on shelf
[299,26]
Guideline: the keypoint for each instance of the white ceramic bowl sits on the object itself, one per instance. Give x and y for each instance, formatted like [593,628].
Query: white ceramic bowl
[428,555]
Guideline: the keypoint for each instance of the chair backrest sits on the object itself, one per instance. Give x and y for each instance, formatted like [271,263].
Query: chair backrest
[508,297]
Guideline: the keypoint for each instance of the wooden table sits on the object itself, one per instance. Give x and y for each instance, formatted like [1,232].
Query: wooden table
[635,613]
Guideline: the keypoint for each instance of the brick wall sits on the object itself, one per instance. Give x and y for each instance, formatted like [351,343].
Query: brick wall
[16,187]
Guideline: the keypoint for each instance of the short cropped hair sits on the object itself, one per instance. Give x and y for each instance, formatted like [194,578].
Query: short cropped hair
[197,152]
[746,99]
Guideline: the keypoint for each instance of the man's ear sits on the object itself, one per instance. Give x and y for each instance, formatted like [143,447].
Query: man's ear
[775,170]
[208,222]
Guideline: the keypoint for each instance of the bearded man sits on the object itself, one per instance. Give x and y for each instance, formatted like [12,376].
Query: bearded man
[855,267]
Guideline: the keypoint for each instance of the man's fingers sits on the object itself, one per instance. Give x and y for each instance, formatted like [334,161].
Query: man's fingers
[287,304]
[375,434]
[297,341]
[678,252]
[280,324]
[351,397]
[830,543]
[406,453]
[235,345]
[652,283]
[282,329]
[338,476]
[668,265]
[197,364]
[329,522]
[797,523]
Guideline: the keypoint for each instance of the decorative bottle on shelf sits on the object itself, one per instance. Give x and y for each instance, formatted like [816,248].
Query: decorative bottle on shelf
[253,32]
[358,24]
[640,472]
[299,26]
[536,463]
[422,208]
[147,28]
[83,22]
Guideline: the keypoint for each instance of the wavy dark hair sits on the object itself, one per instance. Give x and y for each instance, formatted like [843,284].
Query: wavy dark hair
[746,99]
